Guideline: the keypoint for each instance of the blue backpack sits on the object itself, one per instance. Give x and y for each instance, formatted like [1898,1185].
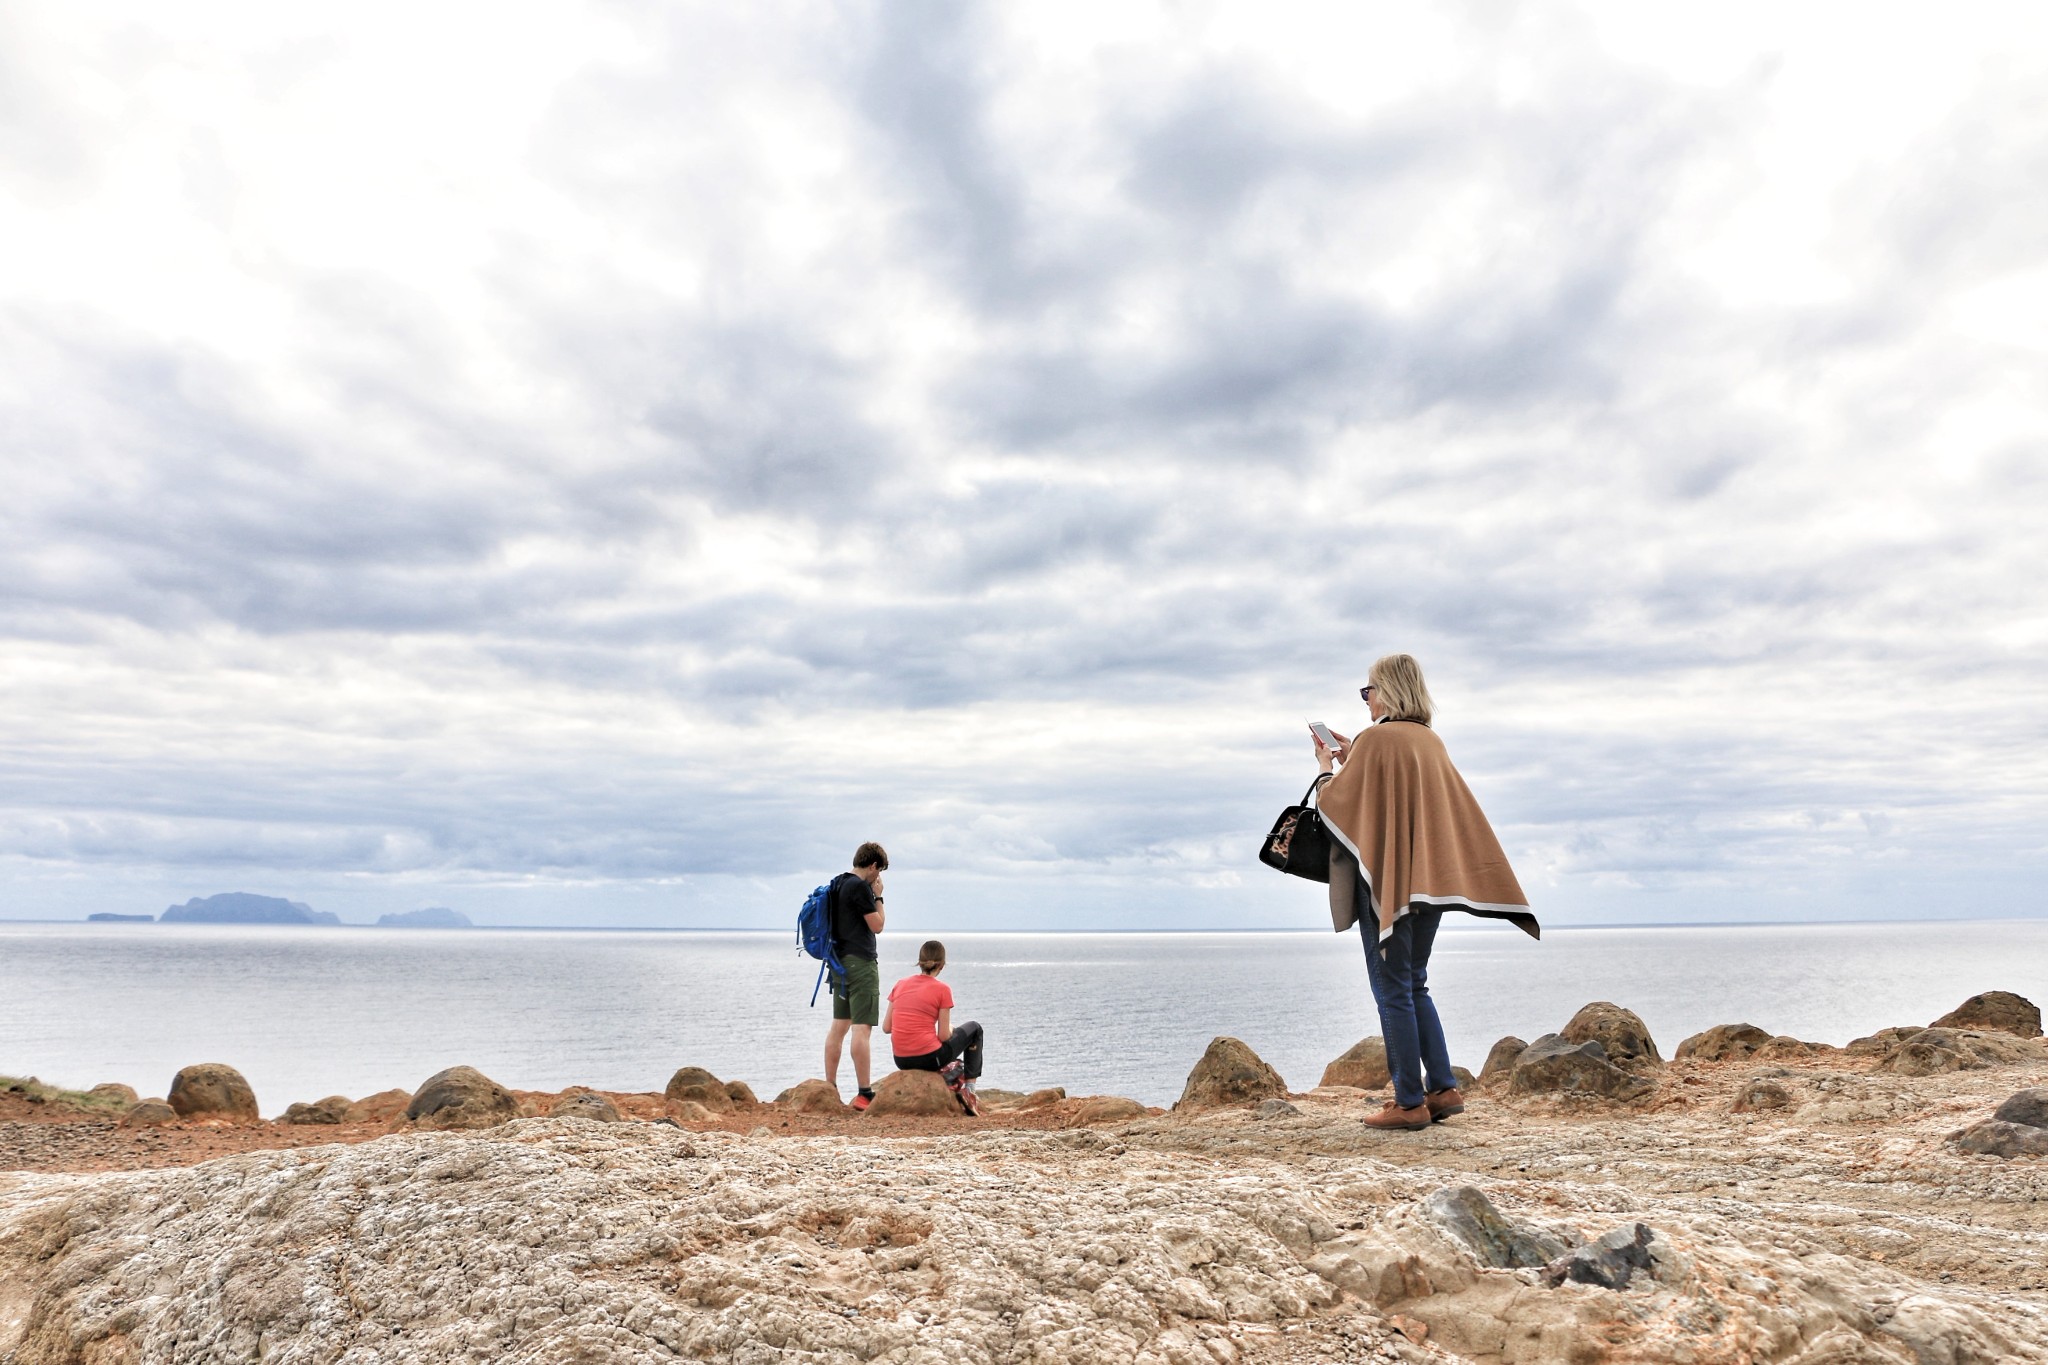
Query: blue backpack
[814,936]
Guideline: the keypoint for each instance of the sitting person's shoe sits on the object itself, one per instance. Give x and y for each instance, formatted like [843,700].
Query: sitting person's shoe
[967,1100]
[862,1101]
[953,1072]
[1399,1119]
[1444,1103]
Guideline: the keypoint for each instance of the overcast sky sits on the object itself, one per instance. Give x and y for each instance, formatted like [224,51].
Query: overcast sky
[598,463]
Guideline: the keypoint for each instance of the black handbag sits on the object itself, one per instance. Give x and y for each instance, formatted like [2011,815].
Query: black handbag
[1300,843]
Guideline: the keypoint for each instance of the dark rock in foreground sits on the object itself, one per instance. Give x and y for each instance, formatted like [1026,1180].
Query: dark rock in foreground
[433,917]
[2028,1106]
[1554,1064]
[239,907]
[1995,1137]
[1494,1238]
[1608,1263]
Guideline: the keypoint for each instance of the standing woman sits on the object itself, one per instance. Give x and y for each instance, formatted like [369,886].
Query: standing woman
[1408,841]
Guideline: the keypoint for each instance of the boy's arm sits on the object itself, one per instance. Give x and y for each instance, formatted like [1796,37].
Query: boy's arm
[889,1017]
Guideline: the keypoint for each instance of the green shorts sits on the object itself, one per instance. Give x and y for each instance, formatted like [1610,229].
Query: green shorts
[858,995]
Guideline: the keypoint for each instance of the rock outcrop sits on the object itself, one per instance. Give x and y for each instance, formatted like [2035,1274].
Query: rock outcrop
[2019,1127]
[1722,1043]
[461,1097]
[2028,1106]
[1363,1066]
[115,1093]
[1500,1061]
[1995,1011]
[149,1114]
[915,1092]
[382,1107]
[696,1084]
[813,1096]
[1230,1073]
[585,1104]
[333,1109]
[1554,1064]
[1619,1031]
[1932,1051]
[213,1090]
[1111,1109]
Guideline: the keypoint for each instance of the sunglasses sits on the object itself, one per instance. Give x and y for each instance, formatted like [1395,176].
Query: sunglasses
[1365,692]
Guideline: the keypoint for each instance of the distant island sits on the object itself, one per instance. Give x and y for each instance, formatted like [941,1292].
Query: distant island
[239,907]
[433,917]
[108,917]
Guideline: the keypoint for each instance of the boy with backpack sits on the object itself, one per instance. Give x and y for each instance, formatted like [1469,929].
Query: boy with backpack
[856,916]
[920,1021]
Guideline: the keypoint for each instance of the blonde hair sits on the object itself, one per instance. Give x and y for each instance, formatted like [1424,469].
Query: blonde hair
[931,957]
[1397,685]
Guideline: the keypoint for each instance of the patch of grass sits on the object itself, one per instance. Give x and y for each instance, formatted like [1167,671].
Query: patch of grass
[37,1093]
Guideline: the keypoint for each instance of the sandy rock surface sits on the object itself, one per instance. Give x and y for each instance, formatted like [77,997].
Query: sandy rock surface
[1842,1226]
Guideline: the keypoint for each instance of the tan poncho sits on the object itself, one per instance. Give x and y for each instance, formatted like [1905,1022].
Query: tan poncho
[1398,810]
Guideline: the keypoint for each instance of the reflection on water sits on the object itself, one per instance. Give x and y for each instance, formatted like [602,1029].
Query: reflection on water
[306,1012]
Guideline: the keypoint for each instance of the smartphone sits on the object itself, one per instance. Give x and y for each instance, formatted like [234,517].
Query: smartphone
[1323,733]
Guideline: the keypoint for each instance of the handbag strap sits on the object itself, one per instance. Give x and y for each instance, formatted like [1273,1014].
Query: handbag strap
[1307,797]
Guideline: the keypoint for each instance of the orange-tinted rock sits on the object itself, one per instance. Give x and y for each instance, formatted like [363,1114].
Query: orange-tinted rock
[813,1096]
[1230,1073]
[1999,1010]
[1105,1109]
[914,1092]
[213,1090]
[695,1083]
[1363,1066]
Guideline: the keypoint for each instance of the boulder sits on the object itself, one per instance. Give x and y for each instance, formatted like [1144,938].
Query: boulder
[741,1094]
[1363,1066]
[212,1090]
[1608,1262]
[695,1083]
[1996,1137]
[689,1111]
[1495,1239]
[1722,1043]
[1881,1042]
[584,1104]
[1785,1047]
[1275,1109]
[1464,1079]
[1039,1099]
[998,1099]
[813,1096]
[1762,1092]
[2029,1107]
[381,1107]
[2001,1011]
[114,1092]
[1500,1060]
[333,1109]
[1230,1073]
[1104,1109]
[461,1097]
[1931,1052]
[1554,1064]
[916,1093]
[1620,1031]
[149,1114]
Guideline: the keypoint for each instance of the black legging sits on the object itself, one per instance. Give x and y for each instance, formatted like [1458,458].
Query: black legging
[965,1042]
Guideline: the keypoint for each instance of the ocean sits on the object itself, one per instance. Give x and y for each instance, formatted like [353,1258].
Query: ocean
[307,1012]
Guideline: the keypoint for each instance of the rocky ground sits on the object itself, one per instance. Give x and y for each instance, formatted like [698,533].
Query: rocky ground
[1795,1205]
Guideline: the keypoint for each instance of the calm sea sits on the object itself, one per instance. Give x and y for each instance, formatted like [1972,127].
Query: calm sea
[307,1012]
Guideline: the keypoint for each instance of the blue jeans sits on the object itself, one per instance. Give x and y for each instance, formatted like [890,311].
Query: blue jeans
[1400,987]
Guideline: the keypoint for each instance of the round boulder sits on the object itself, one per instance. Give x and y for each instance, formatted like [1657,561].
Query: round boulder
[695,1083]
[212,1090]
[689,1111]
[1995,1010]
[149,1114]
[1105,1109]
[2029,1107]
[115,1093]
[585,1104]
[919,1093]
[1039,1099]
[1363,1066]
[1930,1052]
[1722,1043]
[1500,1060]
[333,1109]
[813,1096]
[461,1097]
[1230,1073]
[381,1107]
[1761,1092]
[1995,1137]
[1554,1064]
[1624,1036]
[741,1094]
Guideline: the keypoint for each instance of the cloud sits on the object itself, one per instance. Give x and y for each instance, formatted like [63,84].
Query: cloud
[661,448]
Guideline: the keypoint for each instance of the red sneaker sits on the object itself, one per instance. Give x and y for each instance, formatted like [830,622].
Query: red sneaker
[862,1101]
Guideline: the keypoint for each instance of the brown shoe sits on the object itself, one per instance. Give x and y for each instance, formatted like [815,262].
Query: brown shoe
[1444,1103]
[1395,1117]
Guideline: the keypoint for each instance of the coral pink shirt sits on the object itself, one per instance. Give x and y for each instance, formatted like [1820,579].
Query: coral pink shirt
[917,1001]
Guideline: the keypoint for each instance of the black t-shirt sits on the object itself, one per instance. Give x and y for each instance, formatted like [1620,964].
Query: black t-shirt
[853,900]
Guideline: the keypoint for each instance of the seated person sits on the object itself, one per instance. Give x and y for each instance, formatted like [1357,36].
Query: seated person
[920,1023]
